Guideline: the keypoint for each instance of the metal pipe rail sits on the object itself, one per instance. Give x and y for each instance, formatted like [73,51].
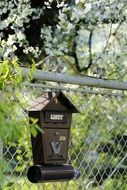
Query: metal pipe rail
[78,80]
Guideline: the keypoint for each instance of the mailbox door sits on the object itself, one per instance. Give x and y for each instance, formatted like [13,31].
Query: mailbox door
[55,145]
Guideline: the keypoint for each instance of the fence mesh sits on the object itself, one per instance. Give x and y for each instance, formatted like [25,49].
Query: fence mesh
[98,142]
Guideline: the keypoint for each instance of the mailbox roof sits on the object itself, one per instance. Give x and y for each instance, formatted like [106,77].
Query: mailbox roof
[41,102]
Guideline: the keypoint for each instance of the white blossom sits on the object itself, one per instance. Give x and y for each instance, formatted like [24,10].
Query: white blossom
[3,24]
[73,26]
[87,8]
[20,36]
[11,40]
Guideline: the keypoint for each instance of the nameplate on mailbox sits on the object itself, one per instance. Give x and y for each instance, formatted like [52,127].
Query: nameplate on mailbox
[56,117]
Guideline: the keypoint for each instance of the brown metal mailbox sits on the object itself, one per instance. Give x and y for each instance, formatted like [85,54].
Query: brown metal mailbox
[54,112]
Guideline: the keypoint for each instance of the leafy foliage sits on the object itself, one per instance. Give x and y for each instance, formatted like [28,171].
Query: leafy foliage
[11,79]
[14,123]
[10,75]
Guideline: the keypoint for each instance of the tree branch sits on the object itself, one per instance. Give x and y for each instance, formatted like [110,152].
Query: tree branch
[74,54]
[90,51]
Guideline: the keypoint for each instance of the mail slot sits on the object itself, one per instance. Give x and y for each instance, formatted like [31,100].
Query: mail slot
[54,113]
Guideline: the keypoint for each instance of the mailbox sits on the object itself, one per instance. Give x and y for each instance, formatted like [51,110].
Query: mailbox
[50,147]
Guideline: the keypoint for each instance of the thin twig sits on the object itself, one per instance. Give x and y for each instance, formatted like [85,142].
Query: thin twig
[107,42]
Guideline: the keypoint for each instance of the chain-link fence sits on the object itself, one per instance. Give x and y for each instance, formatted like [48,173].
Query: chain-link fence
[98,144]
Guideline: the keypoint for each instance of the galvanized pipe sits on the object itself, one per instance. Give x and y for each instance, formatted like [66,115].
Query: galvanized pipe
[78,80]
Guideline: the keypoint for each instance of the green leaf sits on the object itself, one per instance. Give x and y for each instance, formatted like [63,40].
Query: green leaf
[10,184]
[33,131]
